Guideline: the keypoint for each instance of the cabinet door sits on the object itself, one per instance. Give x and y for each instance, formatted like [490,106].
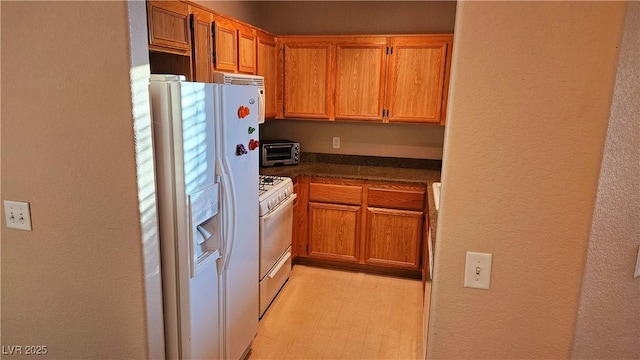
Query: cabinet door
[201,38]
[416,84]
[307,84]
[394,238]
[267,67]
[334,231]
[169,26]
[225,55]
[360,76]
[246,49]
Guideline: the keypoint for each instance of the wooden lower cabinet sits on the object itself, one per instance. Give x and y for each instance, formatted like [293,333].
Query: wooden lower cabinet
[394,238]
[334,231]
[360,225]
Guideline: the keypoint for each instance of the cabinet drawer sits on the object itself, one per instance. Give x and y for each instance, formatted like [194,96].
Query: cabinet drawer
[337,194]
[410,199]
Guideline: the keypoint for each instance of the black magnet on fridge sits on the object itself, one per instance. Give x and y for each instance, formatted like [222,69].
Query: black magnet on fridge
[240,150]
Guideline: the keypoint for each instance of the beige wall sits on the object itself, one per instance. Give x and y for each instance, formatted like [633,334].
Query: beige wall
[76,282]
[392,140]
[530,96]
[246,11]
[358,17]
[608,324]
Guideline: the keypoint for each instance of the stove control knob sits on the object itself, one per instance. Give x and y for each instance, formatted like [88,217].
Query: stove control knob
[271,203]
[281,196]
[289,190]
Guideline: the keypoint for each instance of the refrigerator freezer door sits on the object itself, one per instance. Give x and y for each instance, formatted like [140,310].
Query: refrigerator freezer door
[204,339]
[241,249]
[185,150]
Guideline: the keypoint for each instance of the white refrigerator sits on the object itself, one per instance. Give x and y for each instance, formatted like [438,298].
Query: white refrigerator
[206,159]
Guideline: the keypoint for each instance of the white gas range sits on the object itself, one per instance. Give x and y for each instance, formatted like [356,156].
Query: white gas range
[276,199]
[272,191]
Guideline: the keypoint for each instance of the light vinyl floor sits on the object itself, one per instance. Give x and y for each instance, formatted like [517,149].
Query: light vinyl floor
[331,314]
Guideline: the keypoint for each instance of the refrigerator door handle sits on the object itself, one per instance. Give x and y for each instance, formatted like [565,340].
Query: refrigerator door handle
[226,213]
[261,105]
[233,219]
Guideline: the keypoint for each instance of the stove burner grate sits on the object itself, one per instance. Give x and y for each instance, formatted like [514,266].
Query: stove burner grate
[267,181]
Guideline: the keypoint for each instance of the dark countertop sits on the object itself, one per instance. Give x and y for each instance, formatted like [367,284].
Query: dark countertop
[367,168]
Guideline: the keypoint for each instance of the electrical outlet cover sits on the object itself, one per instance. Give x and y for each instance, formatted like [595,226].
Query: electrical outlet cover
[17,215]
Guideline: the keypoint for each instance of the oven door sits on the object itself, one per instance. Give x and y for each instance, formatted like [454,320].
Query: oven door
[275,234]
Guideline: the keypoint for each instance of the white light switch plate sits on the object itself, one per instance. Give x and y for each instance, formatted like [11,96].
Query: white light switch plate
[17,215]
[336,142]
[477,270]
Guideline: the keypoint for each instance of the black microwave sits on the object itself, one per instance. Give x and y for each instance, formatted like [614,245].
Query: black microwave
[279,152]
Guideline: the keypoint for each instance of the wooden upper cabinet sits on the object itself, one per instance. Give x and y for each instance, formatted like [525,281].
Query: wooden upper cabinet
[307,79]
[168,23]
[201,39]
[375,78]
[246,49]
[360,77]
[225,44]
[416,87]
[267,67]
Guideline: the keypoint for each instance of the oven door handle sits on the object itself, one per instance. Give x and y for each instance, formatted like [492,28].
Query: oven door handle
[280,264]
[280,207]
